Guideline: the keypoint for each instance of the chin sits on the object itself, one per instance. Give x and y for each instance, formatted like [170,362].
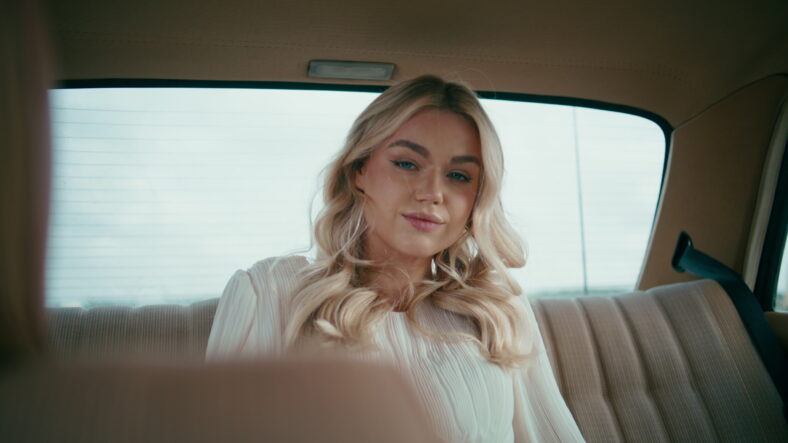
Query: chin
[421,250]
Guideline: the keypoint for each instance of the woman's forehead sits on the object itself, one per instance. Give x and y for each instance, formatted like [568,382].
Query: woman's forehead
[442,131]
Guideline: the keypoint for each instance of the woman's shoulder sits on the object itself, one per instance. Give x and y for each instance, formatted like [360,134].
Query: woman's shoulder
[276,273]
[279,264]
[249,315]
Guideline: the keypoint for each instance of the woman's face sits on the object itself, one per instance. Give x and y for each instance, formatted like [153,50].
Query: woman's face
[420,186]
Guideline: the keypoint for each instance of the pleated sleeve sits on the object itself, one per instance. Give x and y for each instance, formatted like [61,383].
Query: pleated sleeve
[540,412]
[248,321]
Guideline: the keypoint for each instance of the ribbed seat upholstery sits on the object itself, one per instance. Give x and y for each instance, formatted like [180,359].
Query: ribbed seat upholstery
[160,332]
[673,363]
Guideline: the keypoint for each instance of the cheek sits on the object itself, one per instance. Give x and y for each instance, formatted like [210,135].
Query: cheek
[387,186]
[463,205]
[384,193]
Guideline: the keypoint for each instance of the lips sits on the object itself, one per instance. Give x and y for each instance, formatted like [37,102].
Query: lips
[423,222]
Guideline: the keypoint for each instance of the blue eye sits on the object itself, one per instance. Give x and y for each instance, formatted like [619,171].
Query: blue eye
[459,177]
[404,164]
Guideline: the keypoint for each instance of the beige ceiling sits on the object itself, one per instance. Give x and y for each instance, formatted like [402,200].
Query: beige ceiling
[671,57]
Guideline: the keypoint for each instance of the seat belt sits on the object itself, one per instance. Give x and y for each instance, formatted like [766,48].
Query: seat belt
[687,258]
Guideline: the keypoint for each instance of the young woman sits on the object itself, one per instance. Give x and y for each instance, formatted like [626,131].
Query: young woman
[411,268]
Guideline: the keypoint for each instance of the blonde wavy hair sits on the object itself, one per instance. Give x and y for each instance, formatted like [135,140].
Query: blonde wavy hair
[335,304]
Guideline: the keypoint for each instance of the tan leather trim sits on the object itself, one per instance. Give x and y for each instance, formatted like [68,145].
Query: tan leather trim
[672,58]
[712,180]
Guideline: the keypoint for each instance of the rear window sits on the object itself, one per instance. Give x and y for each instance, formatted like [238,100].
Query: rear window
[159,194]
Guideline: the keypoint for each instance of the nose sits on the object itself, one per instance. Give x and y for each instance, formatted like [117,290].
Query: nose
[430,188]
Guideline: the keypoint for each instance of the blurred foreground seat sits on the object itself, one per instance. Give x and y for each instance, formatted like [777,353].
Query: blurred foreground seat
[274,401]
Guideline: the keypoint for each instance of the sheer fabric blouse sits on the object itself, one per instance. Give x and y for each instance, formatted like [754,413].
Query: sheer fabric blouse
[468,398]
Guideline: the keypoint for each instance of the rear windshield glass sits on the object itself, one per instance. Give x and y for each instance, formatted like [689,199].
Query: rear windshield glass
[160,194]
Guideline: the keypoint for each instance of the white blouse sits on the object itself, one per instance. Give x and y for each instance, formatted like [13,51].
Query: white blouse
[469,399]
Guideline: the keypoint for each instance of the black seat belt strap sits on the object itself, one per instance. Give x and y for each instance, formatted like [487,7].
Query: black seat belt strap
[686,258]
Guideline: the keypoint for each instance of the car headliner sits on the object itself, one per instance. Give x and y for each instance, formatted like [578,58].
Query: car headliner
[673,58]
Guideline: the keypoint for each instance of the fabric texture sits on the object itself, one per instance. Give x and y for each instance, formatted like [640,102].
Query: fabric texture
[467,398]
[673,363]
[169,333]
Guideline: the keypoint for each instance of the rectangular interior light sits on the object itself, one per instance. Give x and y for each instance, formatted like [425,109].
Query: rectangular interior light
[350,70]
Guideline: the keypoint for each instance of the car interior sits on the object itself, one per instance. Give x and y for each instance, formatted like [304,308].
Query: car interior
[695,350]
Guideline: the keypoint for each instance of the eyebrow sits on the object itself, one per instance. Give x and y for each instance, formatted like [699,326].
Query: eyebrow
[421,150]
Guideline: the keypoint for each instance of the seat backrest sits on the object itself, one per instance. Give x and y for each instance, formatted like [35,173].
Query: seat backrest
[673,363]
[171,333]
